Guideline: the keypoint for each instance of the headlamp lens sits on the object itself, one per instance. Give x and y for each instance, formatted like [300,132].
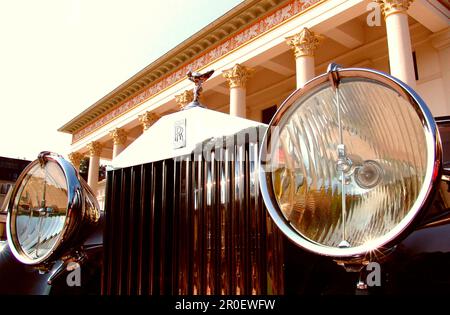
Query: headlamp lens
[39,209]
[348,165]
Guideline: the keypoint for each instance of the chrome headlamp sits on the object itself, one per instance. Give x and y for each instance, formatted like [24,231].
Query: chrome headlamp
[349,162]
[49,209]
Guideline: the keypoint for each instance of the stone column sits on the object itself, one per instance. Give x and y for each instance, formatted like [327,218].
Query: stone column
[237,78]
[75,158]
[95,149]
[119,139]
[184,98]
[399,39]
[148,119]
[304,44]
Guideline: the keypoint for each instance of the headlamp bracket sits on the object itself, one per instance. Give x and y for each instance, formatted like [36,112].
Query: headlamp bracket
[333,75]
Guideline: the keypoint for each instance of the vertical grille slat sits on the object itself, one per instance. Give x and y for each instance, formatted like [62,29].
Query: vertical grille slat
[184,227]
[198,226]
[166,226]
[247,219]
[176,219]
[225,225]
[151,230]
[157,228]
[121,235]
[192,225]
[141,227]
[216,220]
[234,246]
[258,235]
[133,209]
[210,199]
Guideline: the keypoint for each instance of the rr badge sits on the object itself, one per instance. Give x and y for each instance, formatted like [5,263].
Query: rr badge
[179,134]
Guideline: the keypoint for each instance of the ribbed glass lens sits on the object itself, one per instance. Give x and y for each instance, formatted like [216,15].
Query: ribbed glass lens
[348,165]
[40,208]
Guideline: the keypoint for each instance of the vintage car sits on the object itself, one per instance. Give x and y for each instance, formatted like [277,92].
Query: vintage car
[344,192]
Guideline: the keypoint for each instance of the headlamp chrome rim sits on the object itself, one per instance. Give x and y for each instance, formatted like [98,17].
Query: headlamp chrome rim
[75,213]
[433,168]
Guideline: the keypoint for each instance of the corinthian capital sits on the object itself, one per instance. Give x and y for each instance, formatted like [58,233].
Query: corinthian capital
[394,6]
[75,158]
[119,136]
[184,98]
[303,43]
[148,119]
[94,148]
[238,75]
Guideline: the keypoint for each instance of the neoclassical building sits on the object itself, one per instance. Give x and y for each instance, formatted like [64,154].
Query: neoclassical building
[261,51]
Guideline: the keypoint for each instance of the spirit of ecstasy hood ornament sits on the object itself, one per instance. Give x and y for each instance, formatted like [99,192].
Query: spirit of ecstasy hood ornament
[198,79]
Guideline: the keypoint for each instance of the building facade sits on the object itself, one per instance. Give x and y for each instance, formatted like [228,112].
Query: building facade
[10,170]
[261,51]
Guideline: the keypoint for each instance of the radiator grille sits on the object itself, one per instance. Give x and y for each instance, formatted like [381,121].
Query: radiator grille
[192,226]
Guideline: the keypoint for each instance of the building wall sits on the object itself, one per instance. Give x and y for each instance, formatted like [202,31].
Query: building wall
[10,170]
[4,187]
[434,78]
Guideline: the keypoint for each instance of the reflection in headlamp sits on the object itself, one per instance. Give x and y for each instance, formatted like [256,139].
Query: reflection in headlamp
[40,209]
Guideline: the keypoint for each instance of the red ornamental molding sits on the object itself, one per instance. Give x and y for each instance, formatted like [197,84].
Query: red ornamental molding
[257,28]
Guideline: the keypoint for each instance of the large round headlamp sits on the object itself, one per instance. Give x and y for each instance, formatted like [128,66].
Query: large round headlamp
[48,210]
[349,162]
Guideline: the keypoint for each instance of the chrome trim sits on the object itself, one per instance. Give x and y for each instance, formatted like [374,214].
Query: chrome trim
[82,211]
[427,192]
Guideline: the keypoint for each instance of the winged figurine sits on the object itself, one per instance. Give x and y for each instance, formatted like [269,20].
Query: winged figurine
[198,79]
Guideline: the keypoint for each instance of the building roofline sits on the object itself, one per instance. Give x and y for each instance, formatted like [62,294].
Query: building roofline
[210,36]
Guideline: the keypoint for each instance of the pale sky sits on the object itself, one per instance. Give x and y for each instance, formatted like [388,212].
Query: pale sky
[58,57]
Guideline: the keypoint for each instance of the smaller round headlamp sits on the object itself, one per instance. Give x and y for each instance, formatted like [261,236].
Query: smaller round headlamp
[47,210]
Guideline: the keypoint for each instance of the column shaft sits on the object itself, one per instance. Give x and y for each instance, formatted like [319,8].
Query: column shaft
[400,51]
[119,139]
[238,106]
[117,148]
[237,78]
[304,45]
[95,149]
[94,162]
[305,70]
